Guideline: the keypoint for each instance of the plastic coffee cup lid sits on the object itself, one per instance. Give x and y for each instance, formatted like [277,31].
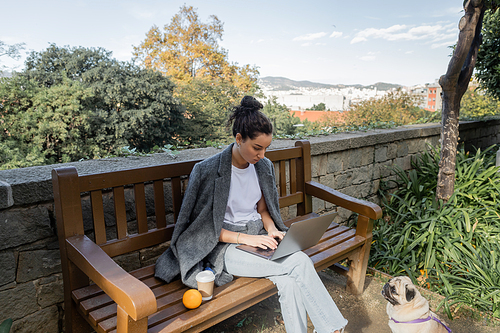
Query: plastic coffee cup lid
[205,276]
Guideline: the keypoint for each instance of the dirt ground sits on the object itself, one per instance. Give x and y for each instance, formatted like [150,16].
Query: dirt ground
[365,313]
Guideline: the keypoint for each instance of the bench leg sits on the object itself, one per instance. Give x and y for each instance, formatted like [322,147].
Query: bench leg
[125,324]
[357,269]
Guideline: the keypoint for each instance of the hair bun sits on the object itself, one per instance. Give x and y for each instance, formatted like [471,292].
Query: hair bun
[250,103]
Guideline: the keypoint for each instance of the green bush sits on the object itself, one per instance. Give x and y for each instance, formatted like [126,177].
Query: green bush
[453,248]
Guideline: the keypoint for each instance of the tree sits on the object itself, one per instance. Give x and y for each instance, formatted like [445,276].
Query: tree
[131,106]
[43,125]
[283,121]
[454,84]
[398,107]
[188,49]
[488,61]
[476,104]
[73,103]
[319,107]
[207,104]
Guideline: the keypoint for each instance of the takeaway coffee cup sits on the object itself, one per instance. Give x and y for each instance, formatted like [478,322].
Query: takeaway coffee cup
[205,281]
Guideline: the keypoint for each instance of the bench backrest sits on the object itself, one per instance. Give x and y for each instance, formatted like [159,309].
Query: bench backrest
[127,210]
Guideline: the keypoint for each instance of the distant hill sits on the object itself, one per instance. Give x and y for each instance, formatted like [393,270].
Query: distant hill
[282,83]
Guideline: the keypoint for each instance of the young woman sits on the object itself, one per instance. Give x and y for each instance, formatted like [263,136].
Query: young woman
[232,199]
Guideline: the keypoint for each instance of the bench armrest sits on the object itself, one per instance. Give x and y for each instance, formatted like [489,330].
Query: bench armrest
[133,296]
[362,207]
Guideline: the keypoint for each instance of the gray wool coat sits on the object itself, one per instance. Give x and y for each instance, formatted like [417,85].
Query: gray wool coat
[195,240]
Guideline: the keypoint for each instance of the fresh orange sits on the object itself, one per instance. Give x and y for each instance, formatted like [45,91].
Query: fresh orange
[191,299]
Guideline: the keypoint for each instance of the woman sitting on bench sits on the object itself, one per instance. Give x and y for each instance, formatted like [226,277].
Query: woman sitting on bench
[231,199]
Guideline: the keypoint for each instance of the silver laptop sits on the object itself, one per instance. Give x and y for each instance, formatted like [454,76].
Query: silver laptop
[300,236]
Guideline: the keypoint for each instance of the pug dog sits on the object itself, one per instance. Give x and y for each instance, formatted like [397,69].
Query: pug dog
[408,310]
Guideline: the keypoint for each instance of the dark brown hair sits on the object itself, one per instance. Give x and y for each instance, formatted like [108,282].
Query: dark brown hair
[248,120]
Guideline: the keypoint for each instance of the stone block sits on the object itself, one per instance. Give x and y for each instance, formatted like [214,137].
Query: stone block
[45,320]
[129,261]
[380,154]
[392,149]
[328,180]
[51,293]
[367,155]
[362,175]
[343,180]
[149,255]
[6,198]
[8,267]
[36,264]
[336,162]
[18,302]
[317,204]
[24,225]
[359,191]
[319,165]
[353,159]
[416,146]
[402,149]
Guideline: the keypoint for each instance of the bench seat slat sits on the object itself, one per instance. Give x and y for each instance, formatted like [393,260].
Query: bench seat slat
[216,306]
[94,290]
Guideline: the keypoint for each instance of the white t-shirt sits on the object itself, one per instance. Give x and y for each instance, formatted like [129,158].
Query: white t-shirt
[244,193]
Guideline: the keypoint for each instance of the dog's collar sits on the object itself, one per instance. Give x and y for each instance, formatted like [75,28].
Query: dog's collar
[422,320]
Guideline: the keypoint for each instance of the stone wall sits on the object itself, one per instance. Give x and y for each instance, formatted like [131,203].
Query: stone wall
[31,291]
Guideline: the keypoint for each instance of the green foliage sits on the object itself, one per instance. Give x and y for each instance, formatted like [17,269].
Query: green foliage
[488,61]
[398,107]
[476,105]
[454,248]
[319,107]
[283,122]
[6,325]
[207,103]
[73,103]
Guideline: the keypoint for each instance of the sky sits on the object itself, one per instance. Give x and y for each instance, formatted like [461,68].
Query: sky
[325,41]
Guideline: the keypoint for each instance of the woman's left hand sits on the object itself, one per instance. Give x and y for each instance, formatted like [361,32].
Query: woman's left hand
[276,234]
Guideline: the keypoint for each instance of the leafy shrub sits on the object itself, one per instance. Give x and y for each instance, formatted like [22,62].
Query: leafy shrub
[453,248]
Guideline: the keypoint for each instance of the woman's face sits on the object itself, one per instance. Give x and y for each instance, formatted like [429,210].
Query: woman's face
[253,150]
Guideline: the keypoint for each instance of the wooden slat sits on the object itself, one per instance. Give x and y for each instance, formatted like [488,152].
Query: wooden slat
[94,290]
[233,301]
[161,221]
[140,208]
[293,176]
[332,255]
[327,244]
[176,196]
[120,212]
[291,199]
[284,154]
[134,176]
[102,312]
[282,178]
[138,241]
[98,217]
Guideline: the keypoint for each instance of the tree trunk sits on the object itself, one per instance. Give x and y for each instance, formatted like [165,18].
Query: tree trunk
[454,84]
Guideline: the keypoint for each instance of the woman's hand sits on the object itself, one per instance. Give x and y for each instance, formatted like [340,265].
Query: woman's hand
[262,241]
[275,233]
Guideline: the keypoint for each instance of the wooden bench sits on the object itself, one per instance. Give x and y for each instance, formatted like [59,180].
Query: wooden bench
[99,293]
